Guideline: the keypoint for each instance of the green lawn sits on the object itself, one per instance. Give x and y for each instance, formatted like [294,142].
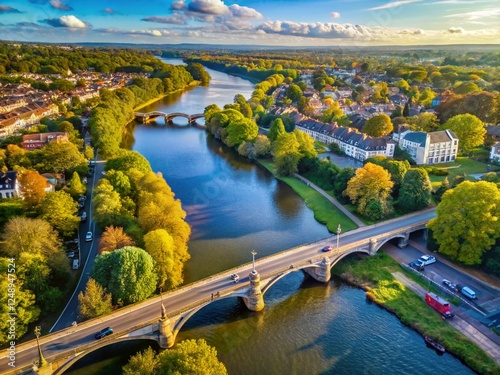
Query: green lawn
[324,211]
[460,166]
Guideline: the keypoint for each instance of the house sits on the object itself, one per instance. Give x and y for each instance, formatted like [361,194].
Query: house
[9,186]
[38,140]
[495,152]
[54,179]
[430,148]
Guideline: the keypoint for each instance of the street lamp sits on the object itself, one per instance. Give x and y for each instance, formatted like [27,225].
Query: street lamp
[338,236]
[41,359]
[253,261]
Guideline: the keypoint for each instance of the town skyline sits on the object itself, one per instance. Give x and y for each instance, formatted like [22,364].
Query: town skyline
[253,22]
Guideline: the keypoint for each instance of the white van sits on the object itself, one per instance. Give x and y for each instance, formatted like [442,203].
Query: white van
[76,264]
[468,292]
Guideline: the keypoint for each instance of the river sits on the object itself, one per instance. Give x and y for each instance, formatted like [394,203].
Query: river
[234,207]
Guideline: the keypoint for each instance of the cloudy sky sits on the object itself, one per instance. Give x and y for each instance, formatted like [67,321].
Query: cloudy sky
[264,22]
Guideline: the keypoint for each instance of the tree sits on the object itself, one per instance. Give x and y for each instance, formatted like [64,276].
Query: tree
[445,186]
[286,153]
[396,168]
[76,187]
[32,188]
[277,128]
[262,145]
[160,245]
[61,157]
[94,302]
[59,209]
[341,180]
[26,310]
[467,223]
[106,203]
[372,182]
[416,190]
[131,159]
[114,238]
[378,126]
[142,363]
[194,357]
[294,92]
[468,128]
[127,273]
[242,130]
[306,144]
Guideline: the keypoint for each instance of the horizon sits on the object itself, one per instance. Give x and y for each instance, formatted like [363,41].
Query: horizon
[272,23]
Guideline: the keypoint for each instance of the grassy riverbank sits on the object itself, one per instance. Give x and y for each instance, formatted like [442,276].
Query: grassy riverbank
[324,211]
[154,100]
[374,275]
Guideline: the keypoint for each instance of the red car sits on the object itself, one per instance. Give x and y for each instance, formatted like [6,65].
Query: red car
[326,249]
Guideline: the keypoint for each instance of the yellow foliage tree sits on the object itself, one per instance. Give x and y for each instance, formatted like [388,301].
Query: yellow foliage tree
[114,238]
[372,183]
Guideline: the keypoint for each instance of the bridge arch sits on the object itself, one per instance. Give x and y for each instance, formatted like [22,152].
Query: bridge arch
[79,355]
[279,276]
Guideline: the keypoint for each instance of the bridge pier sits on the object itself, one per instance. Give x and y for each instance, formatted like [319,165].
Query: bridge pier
[166,338]
[321,273]
[403,242]
[255,299]
[373,246]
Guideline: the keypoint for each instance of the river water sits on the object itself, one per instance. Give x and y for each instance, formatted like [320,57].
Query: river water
[234,207]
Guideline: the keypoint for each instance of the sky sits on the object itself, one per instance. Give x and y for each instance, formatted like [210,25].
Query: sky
[253,22]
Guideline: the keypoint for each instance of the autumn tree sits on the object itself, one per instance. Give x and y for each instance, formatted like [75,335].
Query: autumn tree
[94,302]
[32,188]
[416,190]
[468,128]
[262,145]
[378,126]
[114,238]
[467,223]
[127,161]
[396,168]
[371,184]
[60,210]
[160,245]
[286,153]
[241,130]
[107,204]
[127,273]
[61,157]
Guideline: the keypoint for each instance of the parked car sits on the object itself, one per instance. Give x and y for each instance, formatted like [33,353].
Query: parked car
[417,264]
[84,216]
[76,264]
[427,259]
[70,254]
[450,285]
[326,249]
[89,237]
[103,333]
[235,277]
[468,292]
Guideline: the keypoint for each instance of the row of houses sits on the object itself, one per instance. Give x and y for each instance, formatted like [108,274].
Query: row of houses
[424,148]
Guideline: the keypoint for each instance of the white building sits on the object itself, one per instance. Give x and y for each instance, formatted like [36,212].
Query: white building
[430,148]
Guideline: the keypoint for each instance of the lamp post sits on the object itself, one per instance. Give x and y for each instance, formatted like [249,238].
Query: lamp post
[41,360]
[253,261]
[338,236]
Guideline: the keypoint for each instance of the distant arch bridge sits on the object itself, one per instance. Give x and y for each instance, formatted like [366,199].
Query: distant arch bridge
[147,116]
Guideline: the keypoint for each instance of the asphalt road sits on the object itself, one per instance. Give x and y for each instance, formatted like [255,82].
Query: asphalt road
[71,338]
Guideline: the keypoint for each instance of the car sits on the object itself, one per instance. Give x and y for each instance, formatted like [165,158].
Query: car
[417,265]
[89,237]
[89,174]
[450,285]
[103,333]
[70,254]
[326,249]
[468,292]
[76,264]
[84,180]
[235,277]
[84,216]
[427,259]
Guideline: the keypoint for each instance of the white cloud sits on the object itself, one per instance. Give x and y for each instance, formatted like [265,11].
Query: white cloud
[456,30]
[70,22]
[478,14]
[244,12]
[214,7]
[335,14]
[394,4]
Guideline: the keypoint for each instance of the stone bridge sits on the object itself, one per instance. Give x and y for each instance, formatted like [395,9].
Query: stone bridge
[164,330]
[146,116]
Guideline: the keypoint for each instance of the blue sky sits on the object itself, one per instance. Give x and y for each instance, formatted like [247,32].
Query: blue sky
[246,22]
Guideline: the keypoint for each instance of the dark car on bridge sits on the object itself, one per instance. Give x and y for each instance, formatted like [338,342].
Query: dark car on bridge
[103,333]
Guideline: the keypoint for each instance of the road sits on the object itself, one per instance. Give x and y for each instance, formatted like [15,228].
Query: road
[197,292]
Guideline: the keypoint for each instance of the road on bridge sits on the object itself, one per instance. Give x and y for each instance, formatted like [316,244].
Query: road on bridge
[197,292]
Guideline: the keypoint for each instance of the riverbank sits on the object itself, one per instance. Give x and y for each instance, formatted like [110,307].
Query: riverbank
[154,100]
[375,275]
[324,211]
